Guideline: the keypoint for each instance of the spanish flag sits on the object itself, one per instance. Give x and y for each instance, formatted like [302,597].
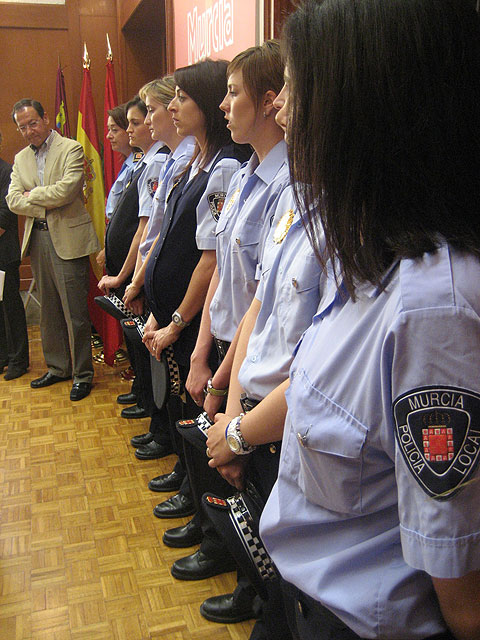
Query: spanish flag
[94,196]
[87,135]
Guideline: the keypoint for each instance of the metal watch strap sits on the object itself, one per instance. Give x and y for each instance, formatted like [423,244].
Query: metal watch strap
[178,320]
[215,392]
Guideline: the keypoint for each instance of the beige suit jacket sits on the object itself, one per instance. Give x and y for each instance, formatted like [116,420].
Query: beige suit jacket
[60,198]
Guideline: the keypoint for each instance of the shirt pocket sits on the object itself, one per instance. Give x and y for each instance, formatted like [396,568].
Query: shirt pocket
[330,445]
[245,248]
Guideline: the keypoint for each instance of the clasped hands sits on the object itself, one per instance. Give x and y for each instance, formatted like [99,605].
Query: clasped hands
[229,465]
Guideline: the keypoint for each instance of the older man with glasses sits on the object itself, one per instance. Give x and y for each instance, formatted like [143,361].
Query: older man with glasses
[47,188]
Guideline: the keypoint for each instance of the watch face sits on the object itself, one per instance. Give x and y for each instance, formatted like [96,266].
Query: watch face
[233,443]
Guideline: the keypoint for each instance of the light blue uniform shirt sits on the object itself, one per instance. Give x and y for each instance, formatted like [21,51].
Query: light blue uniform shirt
[350,520]
[291,285]
[118,186]
[171,169]
[240,236]
[148,181]
[210,204]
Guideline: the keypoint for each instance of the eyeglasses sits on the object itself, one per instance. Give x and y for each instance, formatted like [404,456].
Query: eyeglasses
[33,124]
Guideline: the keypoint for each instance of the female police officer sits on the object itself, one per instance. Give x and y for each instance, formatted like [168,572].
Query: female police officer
[374,521]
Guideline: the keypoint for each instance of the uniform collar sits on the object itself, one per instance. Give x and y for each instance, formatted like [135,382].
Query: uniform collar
[183,148]
[272,163]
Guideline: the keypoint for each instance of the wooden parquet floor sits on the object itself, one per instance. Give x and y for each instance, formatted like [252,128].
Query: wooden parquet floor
[81,556]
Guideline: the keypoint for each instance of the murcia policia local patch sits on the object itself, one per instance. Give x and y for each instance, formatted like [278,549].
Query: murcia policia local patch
[216,201]
[438,432]
[152,186]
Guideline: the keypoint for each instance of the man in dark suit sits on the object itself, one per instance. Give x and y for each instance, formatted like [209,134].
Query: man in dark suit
[47,188]
[13,326]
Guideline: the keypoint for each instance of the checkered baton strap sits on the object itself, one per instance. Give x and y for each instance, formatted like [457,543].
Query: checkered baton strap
[119,304]
[175,382]
[242,521]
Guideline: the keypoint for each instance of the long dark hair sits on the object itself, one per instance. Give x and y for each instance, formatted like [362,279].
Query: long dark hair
[206,83]
[384,130]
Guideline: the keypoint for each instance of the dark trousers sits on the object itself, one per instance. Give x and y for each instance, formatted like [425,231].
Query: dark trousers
[13,325]
[309,620]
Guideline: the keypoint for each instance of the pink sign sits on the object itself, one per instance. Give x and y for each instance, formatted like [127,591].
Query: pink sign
[213,28]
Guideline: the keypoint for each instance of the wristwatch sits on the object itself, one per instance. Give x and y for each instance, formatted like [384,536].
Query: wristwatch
[215,392]
[235,439]
[178,320]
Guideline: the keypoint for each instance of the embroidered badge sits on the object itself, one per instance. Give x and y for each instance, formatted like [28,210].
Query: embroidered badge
[137,156]
[186,423]
[152,186]
[216,502]
[129,323]
[283,226]
[216,201]
[231,202]
[438,432]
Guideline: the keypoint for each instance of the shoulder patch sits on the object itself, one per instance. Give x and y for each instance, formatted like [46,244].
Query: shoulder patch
[438,433]
[152,186]
[216,201]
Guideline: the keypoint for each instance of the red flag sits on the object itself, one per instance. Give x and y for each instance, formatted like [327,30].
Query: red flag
[112,162]
[62,125]
[94,196]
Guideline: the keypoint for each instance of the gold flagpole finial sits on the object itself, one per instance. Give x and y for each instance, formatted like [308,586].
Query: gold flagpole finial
[109,52]
[86,59]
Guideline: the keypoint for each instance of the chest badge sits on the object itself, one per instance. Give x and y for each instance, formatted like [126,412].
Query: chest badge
[438,433]
[231,202]
[283,226]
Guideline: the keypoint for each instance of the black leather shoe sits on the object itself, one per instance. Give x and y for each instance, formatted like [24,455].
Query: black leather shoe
[166,482]
[153,450]
[46,380]
[134,412]
[80,390]
[178,506]
[142,439]
[225,609]
[198,566]
[15,372]
[127,398]
[185,536]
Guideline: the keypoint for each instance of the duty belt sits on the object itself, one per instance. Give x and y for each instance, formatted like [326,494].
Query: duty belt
[222,348]
[248,403]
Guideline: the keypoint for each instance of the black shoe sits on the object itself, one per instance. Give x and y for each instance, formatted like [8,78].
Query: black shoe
[181,537]
[178,506]
[15,372]
[46,380]
[142,439]
[134,412]
[226,610]
[127,398]
[198,566]
[167,482]
[80,390]
[153,450]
